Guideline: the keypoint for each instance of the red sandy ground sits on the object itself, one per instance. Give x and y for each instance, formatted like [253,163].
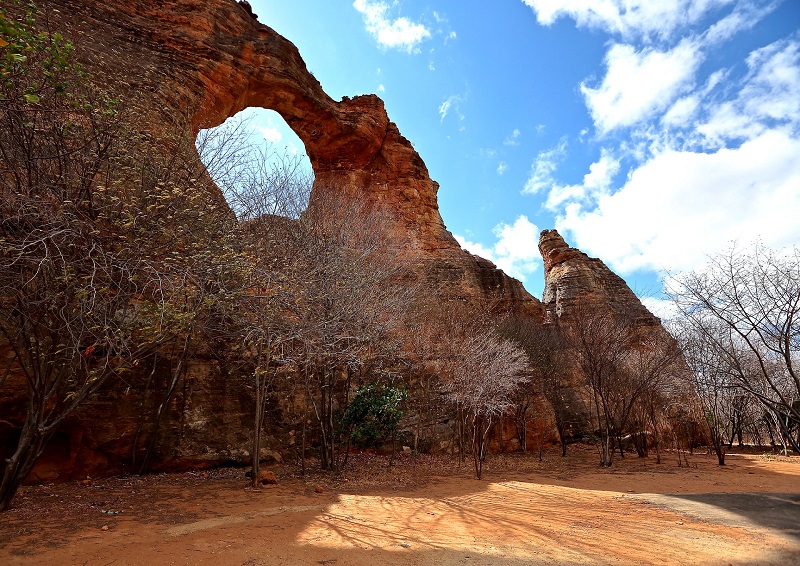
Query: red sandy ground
[422,510]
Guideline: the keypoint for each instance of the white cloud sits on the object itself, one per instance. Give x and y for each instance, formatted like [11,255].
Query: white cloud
[399,33]
[769,97]
[516,251]
[453,102]
[502,167]
[444,108]
[475,248]
[596,183]
[381,88]
[773,90]
[662,308]
[601,173]
[744,16]
[713,154]
[639,83]
[270,133]
[543,168]
[681,205]
[681,111]
[513,138]
[628,18]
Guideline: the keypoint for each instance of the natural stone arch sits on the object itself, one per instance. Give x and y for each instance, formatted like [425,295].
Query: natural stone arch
[209,60]
[273,150]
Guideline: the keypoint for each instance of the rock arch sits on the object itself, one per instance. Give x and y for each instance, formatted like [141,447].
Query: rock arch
[209,60]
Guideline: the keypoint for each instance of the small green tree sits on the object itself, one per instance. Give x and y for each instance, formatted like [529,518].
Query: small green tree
[373,415]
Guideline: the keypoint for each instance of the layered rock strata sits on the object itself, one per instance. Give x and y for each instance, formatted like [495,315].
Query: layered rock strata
[573,279]
[191,64]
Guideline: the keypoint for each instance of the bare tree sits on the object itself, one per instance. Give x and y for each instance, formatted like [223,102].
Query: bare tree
[600,340]
[753,296]
[480,374]
[354,287]
[620,362]
[653,370]
[267,191]
[327,284]
[78,303]
[547,353]
[258,180]
[425,330]
[104,245]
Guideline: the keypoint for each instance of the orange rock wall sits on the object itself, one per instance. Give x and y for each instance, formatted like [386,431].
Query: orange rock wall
[193,63]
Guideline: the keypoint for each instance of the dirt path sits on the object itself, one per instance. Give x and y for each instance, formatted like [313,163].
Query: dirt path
[424,511]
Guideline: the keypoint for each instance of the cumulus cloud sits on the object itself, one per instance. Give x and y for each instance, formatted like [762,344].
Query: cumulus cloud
[639,83]
[712,155]
[516,250]
[774,82]
[270,133]
[703,201]
[596,183]
[645,19]
[770,96]
[681,111]
[502,167]
[398,33]
[543,168]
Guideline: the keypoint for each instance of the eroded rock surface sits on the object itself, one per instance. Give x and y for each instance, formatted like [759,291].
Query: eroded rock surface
[191,64]
[574,280]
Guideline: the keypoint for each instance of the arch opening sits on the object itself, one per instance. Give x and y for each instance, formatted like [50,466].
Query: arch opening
[259,163]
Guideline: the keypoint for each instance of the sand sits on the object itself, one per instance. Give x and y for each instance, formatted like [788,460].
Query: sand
[424,510]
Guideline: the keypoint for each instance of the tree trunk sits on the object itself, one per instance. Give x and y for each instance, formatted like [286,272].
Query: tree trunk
[719,447]
[257,418]
[606,448]
[29,447]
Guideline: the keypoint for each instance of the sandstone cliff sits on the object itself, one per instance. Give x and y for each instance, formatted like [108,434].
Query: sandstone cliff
[206,61]
[191,64]
[572,278]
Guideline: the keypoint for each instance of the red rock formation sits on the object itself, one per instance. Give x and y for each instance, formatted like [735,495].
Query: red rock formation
[191,64]
[208,60]
[572,278]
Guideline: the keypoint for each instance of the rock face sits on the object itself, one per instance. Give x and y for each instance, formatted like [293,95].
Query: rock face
[191,64]
[204,61]
[573,279]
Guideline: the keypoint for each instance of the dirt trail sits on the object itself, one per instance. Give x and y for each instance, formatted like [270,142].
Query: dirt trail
[424,511]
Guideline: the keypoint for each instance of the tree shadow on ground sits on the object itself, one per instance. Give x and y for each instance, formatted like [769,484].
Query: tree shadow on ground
[520,514]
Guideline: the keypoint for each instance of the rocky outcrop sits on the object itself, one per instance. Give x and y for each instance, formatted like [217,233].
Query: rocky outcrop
[202,62]
[574,280]
[190,64]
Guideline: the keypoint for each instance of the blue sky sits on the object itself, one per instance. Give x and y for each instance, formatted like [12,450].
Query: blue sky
[651,133]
